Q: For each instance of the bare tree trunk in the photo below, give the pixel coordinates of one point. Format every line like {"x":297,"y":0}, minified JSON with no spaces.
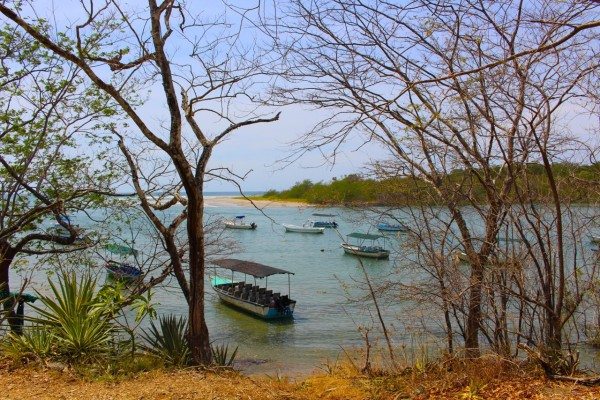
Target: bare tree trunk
{"x":474,"y":315}
{"x":198,"y":332}
{"x":6,"y":258}
{"x":7,"y":255}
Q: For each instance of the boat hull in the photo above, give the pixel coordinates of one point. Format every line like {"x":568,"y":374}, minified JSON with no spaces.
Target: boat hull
{"x":325,"y":224}
{"x":231,"y":225}
{"x":257,"y":310}
{"x":122,"y":272}
{"x":392,"y":228}
{"x":302,"y":229}
{"x":359,"y":251}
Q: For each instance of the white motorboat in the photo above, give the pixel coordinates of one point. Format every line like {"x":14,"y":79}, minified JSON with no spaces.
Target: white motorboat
{"x":307,"y":227}
{"x":239,"y":223}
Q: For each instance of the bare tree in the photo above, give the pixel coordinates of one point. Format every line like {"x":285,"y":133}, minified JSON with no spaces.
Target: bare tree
{"x":462,"y":95}
{"x":206,"y":73}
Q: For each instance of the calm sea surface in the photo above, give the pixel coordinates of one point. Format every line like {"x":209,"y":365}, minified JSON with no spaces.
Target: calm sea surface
{"x":326,"y":284}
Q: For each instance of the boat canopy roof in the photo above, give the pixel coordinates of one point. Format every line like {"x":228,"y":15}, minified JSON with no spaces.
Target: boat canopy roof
{"x":249,"y":267}
{"x":358,"y":235}
{"x":121,"y":250}
{"x":240,"y":216}
{"x":324,"y":215}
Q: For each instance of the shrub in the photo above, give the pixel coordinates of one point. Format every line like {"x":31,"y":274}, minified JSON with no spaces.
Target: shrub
{"x":80,"y":330}
{"x":167,"y":341}
{"x":220,"y":355}
{"x":34,"y":344}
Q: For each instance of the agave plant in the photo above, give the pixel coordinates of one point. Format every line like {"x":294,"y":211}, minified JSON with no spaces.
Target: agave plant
{"x":34,"y":343}
{"x":167,"y":341}
{"x":221,"y":357}
{"x":82,"y":331}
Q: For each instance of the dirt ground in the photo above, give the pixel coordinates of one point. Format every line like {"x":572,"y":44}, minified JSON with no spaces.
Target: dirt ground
{"x":42,"y":383}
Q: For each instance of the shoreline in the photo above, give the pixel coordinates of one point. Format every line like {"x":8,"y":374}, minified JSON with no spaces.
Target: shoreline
{"x":225,"y":201}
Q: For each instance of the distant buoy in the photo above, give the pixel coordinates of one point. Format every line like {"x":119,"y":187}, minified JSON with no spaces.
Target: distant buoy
{"x":322,"y":249}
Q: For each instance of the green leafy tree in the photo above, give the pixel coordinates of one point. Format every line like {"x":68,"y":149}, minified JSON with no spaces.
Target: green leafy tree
{"x":48,"y":117}
{"x":208,"y":82}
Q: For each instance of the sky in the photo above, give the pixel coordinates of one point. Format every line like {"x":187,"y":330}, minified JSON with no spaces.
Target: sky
{"x":257,"y":149}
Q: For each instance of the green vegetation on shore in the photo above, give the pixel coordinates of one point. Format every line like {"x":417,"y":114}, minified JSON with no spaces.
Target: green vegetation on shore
{"x":575,"y":182}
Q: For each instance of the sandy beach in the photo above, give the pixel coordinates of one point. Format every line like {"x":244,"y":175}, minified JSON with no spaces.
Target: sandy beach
{"x":225,"y":201}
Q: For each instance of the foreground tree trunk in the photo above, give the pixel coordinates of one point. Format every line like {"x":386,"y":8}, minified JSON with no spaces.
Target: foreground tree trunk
{"x":198,"y":336}
{"x":216,"y":73}
{"x":7,"y":255}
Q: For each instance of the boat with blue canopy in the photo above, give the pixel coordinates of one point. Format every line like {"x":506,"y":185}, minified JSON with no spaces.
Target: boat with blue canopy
{"x":373,"y":248}
{"x":249,"y":297}
{"x":239,"y":223}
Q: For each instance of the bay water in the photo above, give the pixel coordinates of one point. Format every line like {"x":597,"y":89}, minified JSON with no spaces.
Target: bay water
{"x":333,"y":310}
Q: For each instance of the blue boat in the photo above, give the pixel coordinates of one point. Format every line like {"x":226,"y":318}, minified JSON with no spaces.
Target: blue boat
{"x":325,"y":224}
{"x":122,"y":271}
{"x":386,"y":227}
{"x":251,"y":298}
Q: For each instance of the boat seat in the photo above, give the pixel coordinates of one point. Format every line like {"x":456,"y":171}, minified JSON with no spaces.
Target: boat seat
{"x":262,"y":290}
{"x":248,"y":286}
{"x":276,"y":295}
{"x":269,"y":293}
{"x":245,"y":296}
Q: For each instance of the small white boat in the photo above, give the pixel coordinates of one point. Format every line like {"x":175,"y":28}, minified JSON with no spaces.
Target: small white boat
{"x":361,"y":250}
{"x":256,"y":300}
{"x":239,"y":223}
{"x":307,"y":227}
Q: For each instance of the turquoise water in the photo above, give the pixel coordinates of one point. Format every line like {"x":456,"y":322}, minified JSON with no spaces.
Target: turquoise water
{"x":328,"y":285}
{"x":325,"y":321}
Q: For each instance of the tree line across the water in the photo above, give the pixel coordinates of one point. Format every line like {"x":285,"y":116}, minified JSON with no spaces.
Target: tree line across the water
{"x":355,"y":189}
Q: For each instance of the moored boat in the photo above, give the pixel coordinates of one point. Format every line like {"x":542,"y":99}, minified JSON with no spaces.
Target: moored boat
{"x":330,"y":223}
{"x":251,"y":298}
{"x":122,"y":271}
{"x":307,"y":227}
{"x":239,"y":223}
{"x":359,"y":249}
{"x":386,"y":227}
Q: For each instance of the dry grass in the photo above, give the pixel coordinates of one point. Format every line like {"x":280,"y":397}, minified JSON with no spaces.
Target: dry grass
{"x":487,"y":378}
